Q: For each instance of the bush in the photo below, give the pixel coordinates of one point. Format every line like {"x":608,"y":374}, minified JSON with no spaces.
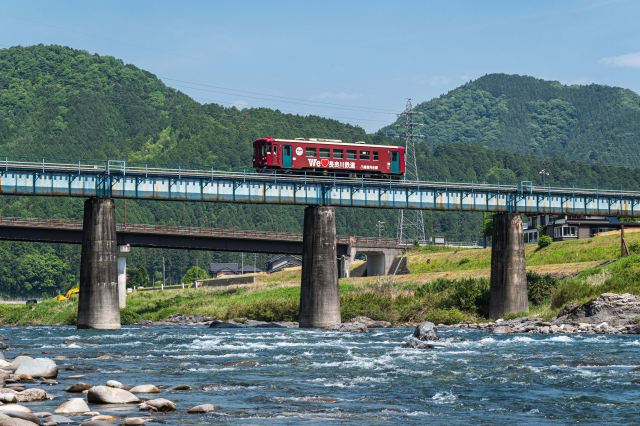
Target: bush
{"x":539,"y":287}
{"x":463,"y":261}
{"x":514,"y":315}
{"x":128,"y":316}
{"x":544,"y":241}
{"x":273,"y":309}
{"x":445,"y":316}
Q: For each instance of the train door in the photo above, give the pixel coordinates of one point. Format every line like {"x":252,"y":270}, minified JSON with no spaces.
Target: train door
{"x":286,"y":156}
{"x":395,"y":162}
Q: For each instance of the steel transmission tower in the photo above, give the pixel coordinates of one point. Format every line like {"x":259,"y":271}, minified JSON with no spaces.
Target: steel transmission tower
{"x":411,"y":222}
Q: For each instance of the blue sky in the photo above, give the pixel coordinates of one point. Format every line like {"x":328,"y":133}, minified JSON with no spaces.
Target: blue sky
{"x":356,"y":61}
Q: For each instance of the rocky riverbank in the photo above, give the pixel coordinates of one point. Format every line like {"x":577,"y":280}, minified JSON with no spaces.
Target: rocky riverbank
{"x":610,"y":313}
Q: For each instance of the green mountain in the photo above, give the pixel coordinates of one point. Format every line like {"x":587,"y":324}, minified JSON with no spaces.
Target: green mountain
{"x":594,"y":123}
{"x":66,"y":103}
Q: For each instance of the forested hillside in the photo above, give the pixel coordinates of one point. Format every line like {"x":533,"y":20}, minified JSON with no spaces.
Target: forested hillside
{"x":60,"y":102}
{"x":593,"y":123}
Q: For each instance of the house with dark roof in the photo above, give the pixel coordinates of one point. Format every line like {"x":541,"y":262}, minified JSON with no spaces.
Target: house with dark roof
{"x":282,"y":261}
{"x":249,"y":269}
{"x":217,"y":270}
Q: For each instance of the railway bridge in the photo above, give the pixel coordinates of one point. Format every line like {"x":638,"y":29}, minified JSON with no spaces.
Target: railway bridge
{"x":99,"y":182}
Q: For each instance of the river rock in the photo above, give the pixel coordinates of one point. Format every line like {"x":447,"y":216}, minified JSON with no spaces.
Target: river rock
{"x":5,"y":364}
{"x":39,"y":368}
{"x":104,"y":418}
{"x":144,"y":389}
{"x":426,"y":331}
{"x":618,"y":309}
{"x":61,"y":420}
{"x":17,"y":362}
{"x":78,"y":387}
{"x":222,"y":324}
{"x":3,"y":346}
{"x":133,"y":421}
{"x":30,"y":417}
{"x":115,"y":384}
{"x":8,"y":398}
{"x":369,"y":323}
{"x":270,"y":325}
{"x":182,"y":387}
{"x":417,"y":344}
{"x":20,"y":422}
{"x":159,"y":404}
{"x":13,"y":407}
{"x":199,"y":409}
{"x":349,"y":327}
{"x":3,"y":337}
{"x":96,"y":423}
{"x":242,"y":363}
{"x":31,"y":395}
{"x":72,"y":406}
{"x":109,"y":395}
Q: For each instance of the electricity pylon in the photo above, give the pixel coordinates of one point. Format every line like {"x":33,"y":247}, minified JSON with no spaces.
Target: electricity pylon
{"x":411,"y":222}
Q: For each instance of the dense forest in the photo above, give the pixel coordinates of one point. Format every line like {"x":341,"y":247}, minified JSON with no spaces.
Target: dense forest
{"x":65,"y":103}
{"x":594,"y":123}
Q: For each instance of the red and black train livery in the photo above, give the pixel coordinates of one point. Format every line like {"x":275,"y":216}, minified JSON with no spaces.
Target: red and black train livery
{"x":324,"y":156}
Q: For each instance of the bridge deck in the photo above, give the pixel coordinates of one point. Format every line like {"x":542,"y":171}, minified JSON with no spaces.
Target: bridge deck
{"x":117,"y":180}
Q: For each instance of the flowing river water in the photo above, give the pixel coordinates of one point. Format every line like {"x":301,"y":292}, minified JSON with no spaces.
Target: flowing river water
{"x":320,"y":376}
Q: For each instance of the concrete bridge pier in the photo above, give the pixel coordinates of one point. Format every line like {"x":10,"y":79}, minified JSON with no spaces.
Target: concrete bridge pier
{"x":508,"y":273}
{"x":319,"y":296}
{"x":98,"y":306}
{"x":123,"y":252}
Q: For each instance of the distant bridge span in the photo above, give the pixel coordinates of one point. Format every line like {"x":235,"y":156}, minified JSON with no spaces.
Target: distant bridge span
{"x":116,"y":179}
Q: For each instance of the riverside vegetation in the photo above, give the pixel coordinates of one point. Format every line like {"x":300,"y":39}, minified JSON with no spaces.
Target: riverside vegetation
{"x":445,"y":286}
{"x":65,"y":103}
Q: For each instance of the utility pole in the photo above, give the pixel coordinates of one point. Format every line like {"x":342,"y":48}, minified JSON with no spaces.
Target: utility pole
{"x":544,"y":174}
{"x":242,"y":267}
{"x":163,"y":273}
{"x":380,"y":226}
{"x":411,"y":223}
{"x":254,"y":263}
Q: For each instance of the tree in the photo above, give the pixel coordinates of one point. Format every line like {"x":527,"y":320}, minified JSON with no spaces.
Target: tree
{"x":194,"y":274}
{"x":140,"y":278}
{"x":544,"y":241}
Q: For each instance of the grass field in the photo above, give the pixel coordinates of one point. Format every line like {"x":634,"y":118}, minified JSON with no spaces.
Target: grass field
{"x":445,"y":286}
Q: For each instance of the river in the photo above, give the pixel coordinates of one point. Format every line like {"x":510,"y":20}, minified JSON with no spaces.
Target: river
{"x":317,"y":376}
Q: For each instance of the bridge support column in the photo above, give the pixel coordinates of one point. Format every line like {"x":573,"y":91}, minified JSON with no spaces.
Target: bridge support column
{"x":508,"y":273}
{"x":123,"y":252}
{"x":98,"y":306}
{"x":319,"y":296}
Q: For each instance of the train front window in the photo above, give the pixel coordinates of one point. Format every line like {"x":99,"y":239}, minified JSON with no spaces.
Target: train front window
{"x":264,"y":149}
{"x":338,"y":153}
{"x":325,"y":153}
{"x":364,"y":155}
{"x":351,"y":154}
{"x":268,"y":148}
{"x":375,"y":155}
{"x":311,"y":152}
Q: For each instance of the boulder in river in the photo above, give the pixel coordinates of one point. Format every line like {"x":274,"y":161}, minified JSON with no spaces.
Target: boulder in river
{"x":159,"y":404}
{"x":109,"y":395}
{"x":78,"y":387}
{"x":39,"y":368}
{"x":60,"y":420}
{"x":8,"y":398}
{"x":349,"y":327}
{"x":19,"y":418}
{"x":31,"y":395}
{"x":5,"y":364}
{"x":14,"y":407}
{"x":144,"y":389}
{"x":204,"y":408}
{"x":133,"y":421}
{"x":17,"y":361}
{"x":3,"y":346}
{"x":182,"y":387}
{"x":369,"y":323}
{"x":417,"y":344}
{"x":73,"y":406}
{"x":222,"y":324}
{"x":426,"y":331}
{"x":115,"y":384}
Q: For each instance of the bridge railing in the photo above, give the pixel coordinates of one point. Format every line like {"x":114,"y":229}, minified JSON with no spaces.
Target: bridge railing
{"x":197,"y":231}
{"x":117,"y":167}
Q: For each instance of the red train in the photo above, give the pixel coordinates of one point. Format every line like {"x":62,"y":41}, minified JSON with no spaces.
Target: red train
{"x":324,"y":156}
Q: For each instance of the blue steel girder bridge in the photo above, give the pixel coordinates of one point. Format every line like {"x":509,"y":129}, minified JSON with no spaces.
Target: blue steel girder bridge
{"x":116,"y":179}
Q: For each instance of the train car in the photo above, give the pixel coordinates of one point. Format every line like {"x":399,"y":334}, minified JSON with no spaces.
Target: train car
{"x":328,"y":156}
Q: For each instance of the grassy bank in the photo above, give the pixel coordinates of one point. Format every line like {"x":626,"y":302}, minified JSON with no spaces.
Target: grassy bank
{"x":445,"y":286}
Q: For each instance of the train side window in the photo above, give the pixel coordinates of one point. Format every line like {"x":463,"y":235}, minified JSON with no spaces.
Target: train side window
{"x":338,"y":153}
{"x":325,"y":153}
{"x":364,"y":155}
{"x":275,"y":149}
{"x":375,"y":155}
{"x":351,"y":154}
{"x":287,"y":150}
{"x":311,"y":152}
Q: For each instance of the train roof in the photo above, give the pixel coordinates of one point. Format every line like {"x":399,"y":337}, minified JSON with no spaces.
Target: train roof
{"x":328,"y":142}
